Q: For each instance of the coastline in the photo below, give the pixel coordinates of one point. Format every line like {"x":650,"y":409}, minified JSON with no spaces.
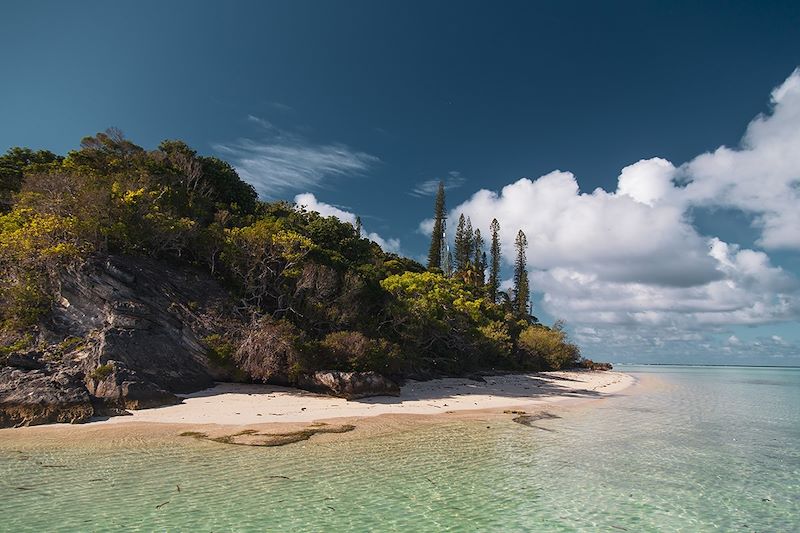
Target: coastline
{"x":230,"y":408}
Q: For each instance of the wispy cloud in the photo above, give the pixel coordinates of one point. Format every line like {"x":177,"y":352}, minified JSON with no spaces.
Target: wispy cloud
{"x":283,"y":162}
{"x":264,"y":123}
{"x":453,"y":180}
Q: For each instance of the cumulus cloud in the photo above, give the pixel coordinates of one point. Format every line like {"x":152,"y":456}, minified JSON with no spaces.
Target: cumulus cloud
{"x":628,"y":266}
{"x":612,"y":236}
{"x":453,"y":180}
{"x":647,"y":181}
{"x":281,"y":161}
{"x":310,"y":202}
{"x":762,"y":176}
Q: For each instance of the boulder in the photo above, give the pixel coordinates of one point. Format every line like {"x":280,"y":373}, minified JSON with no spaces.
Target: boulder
{"x":41,"y":396}
{"x":117,"y":388}
{"x":349,"y":385}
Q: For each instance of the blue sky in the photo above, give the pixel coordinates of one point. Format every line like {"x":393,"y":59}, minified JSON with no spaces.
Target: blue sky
{"x":359,"y":106}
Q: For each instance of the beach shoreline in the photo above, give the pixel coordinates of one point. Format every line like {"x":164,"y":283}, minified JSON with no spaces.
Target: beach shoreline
{"x":232,"y":407}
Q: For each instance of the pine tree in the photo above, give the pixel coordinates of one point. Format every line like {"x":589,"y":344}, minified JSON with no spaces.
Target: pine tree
{"x":480,"y":260}
{"x":521,"y":288}
{"x":437,"y":236}
{"x":460,"y":243}
{"x":469,"y":244}
{"x":494,"y":267}
{"x":359,"y":227}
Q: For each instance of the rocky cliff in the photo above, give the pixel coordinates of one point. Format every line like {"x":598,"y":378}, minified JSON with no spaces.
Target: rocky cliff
{"x":123,"y":333}
{"x":127,"y":333}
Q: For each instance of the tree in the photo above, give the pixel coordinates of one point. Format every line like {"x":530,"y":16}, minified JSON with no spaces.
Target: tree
{"x":359,"y":227}
{"x":494,"y":267}
{"x":460,"y":245}
{"x":14,"y":164}
{"x":521,"y":288}
{"x":480,"y":259}
{"x":437,"y":236}
{"x":469,"y":243}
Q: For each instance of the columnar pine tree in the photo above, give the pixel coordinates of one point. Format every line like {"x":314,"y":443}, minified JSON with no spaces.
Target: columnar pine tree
{"x":359,"y":227}
{"x":437,"y":236}
{"x":494,"y":267}
{"x":480,"y":260}
{"x":469,"y":244}
{"x":521,"y":288}
{"x":460,"y":244}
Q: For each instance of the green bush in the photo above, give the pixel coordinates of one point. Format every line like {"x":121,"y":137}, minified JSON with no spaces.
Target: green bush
{"x":101,"y":372}
{"x":352,"y":350}
{"x":547,"y":348}
{"x":220,"y":349}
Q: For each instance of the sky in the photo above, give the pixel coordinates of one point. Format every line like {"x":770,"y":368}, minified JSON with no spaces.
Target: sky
{"x":649,"y":150}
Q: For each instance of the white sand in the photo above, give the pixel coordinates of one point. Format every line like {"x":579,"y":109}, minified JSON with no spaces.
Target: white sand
{"x":239,"y":404}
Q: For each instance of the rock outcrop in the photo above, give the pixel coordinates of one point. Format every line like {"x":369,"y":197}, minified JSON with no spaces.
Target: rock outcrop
{"x":42,"y":396}
{"x":115,"y":388}
{"x":124,"y":333}
{"x":349,"y":385}
{"x":127,"y":333}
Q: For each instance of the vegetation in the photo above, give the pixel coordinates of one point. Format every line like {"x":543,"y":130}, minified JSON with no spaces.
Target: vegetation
{"x":437,"y":235}
{"x":494,"y":267}
{"x":102,"y":372}
{"x":311,"y":292}
{"x":521,"y":287}
{"x":548,"y":347}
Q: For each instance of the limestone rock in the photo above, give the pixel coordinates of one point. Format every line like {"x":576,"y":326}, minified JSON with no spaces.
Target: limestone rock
{"x":117,"y":388}
{"x":349,"y":385}
{"x":32,"y":397}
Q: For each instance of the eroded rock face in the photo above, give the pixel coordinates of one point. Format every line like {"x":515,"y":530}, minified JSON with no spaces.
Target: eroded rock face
{"x":134,"y":327}
{"x":42,"y":396}
{"x":116,"y":387}
{"x":143,"y":314}
{"x":349,"y":385}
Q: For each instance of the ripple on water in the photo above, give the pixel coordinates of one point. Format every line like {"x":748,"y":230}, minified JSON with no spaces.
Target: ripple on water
{"x":711,"y":452}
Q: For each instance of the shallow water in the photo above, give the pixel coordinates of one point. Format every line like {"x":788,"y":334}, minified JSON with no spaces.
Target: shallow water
{"x":698,"y":449}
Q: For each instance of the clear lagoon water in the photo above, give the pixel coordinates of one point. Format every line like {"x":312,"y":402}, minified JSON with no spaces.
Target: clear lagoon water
{"x":697,"y":449}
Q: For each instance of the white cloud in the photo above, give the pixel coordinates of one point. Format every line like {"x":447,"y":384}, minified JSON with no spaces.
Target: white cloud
{"x":648,"y":181}
{"x":453,"y":180}
{"x":612,"y":236}
{"x":762,"y":177}
{"x":264,"y":123}
{"x":426,"y":227}
{"x":283,"y":162}
{"x":629,"y":267}
{"x":310,"y":202}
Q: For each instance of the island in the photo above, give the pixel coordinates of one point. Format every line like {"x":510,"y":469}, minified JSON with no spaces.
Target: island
{"x":133,"y":279}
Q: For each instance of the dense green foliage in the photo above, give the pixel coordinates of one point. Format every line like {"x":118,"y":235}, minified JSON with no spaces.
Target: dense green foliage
{"x":311,"y":292}
{"x":521,"y":290}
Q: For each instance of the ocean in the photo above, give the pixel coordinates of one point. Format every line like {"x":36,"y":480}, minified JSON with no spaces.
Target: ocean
{"x":687,"y":449}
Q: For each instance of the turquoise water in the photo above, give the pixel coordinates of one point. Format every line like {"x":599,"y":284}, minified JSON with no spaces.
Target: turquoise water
{"x":698,"y":449}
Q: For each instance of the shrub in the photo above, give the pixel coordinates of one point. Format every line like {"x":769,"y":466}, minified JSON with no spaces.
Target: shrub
{"x":270,"y":351}
{"x":549,"y":348}
{"x":102,"y":372}
{"x":220,"y":349}
{"x":352,"y":350}
{"x":495,"y":343}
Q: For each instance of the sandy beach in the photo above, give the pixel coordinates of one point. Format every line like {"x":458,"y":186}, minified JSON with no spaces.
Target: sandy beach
{"x":231,"y":404}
